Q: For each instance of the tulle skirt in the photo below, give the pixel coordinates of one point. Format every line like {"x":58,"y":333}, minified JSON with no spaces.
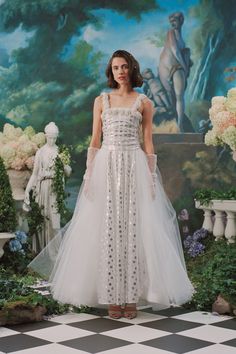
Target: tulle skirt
{"x":122,"y":244}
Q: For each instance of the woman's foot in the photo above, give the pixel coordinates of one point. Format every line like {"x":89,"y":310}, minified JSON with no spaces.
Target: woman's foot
{"x":115,"y":311}
{"x":130,"y":311}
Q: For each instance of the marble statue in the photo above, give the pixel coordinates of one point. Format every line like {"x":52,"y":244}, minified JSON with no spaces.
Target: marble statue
{"x":174,"y":66}
{"x":41,"y":184}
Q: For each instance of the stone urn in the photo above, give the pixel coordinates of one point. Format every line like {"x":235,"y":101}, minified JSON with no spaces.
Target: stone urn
{"x":4,"y":237}
{"x":18,"y":181}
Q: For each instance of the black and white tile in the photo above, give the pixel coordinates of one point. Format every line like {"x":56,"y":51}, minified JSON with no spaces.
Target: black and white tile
{"x":168,"y":331}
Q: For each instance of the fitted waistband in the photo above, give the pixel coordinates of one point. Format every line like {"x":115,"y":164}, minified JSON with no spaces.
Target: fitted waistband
{"x":120,"y":147}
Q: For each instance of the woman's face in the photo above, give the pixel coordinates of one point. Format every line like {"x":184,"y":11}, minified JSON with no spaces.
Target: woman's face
{"x":120,"y":70}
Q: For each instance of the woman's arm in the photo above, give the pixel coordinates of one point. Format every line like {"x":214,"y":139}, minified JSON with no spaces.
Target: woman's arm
{"x":147,"y":126}
{"x":97,"y":123}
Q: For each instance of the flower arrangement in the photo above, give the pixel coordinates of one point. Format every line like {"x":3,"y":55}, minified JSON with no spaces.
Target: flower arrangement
{"x":223,"y":118}
{"x":18,"y":146}
{"x":192,"y":242}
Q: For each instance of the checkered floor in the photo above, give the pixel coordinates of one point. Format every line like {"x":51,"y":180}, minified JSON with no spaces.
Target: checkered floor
{"x":173,"y":330}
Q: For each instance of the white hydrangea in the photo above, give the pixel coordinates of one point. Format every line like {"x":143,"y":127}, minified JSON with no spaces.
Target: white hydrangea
{"x":3,"y":139}
{"x":218,"y":100}
{"x":29,"y":131}
{"x":8,"y":154}
{"x":212,"y":138}
{"x":230,"y":103}
{"x":26,"y":150}
{"x":229,"y":137}
{"x":18,"y":147}
{"x":23,"y":139}
{"x":39,"y":139}
{"x":9,"y":132}
{"x":18,"y":164}
{"x":232,"y":93}
{"x":214,"y":110}
{"x":18,"y":132}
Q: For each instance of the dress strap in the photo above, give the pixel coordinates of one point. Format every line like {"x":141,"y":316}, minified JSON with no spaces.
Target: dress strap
{"x":138,"y":101}
{"x":105,"y":100}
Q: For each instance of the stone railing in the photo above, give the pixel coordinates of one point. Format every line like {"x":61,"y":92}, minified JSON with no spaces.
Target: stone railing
{"x":224,"y":223}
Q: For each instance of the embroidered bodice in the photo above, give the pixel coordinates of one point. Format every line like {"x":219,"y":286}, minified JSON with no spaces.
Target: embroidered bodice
{"x":120,"y":125}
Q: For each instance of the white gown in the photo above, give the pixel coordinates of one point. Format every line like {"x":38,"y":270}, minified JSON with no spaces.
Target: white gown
{"x":121,"y":246}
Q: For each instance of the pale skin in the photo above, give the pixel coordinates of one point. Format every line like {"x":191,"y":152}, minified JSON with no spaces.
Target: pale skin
{"x":123,"y":96}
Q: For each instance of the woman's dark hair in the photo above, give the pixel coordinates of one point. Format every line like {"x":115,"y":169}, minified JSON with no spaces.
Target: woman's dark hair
{"x":136,"y":79}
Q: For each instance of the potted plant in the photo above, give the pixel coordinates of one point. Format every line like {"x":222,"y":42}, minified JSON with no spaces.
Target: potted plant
{"x":17,"y":149}
{"x":223,"y":119}
{"x":8,"y":219}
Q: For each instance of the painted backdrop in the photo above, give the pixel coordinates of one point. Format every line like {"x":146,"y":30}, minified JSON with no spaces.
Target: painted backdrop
{"x":53,"y":54}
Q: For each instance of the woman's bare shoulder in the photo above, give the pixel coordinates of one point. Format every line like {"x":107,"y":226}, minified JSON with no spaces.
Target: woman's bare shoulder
{"x":146,"y":101}
{"x":98,"y":100}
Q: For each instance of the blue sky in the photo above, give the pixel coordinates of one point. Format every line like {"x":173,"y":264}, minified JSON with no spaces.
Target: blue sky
{"x":118,"y":32}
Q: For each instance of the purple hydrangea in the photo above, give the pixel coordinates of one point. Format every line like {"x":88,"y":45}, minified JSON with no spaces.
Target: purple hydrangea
{"x":200,"y":234}
{"x":15,"y":245}
{"x":196,"y":248}
{"x":192,"y":242}
{"x":188,"y":241}
{"x":21,"y":237}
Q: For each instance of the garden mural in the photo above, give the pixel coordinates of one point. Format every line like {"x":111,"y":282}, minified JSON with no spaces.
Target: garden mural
{"x":53,"y":55}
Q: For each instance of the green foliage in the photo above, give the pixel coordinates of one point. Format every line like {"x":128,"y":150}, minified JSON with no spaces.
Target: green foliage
{"x":213,"y":273}
{"x":58,"y":185}
{"x":17,"y":262}
{"x":35,"y":217}
{"x":204,"y":196}
{"x":14,"y":290}
{"x":15,"y":287}
{"x":7,"y":206}
{"x":59,"y":179}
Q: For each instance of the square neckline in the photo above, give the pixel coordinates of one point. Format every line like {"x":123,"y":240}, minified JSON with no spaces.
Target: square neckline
{"x":122,"y":107}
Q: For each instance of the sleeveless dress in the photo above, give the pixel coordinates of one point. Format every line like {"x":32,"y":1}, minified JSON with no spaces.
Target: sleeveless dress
{"x":122,"y":244}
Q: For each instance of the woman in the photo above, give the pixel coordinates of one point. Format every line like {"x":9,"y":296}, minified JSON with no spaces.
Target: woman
{"x":122,"y":245}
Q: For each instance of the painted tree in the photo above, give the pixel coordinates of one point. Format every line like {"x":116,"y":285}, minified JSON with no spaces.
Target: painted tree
{"x":45,"y":82}
{"x":214,"y":51}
